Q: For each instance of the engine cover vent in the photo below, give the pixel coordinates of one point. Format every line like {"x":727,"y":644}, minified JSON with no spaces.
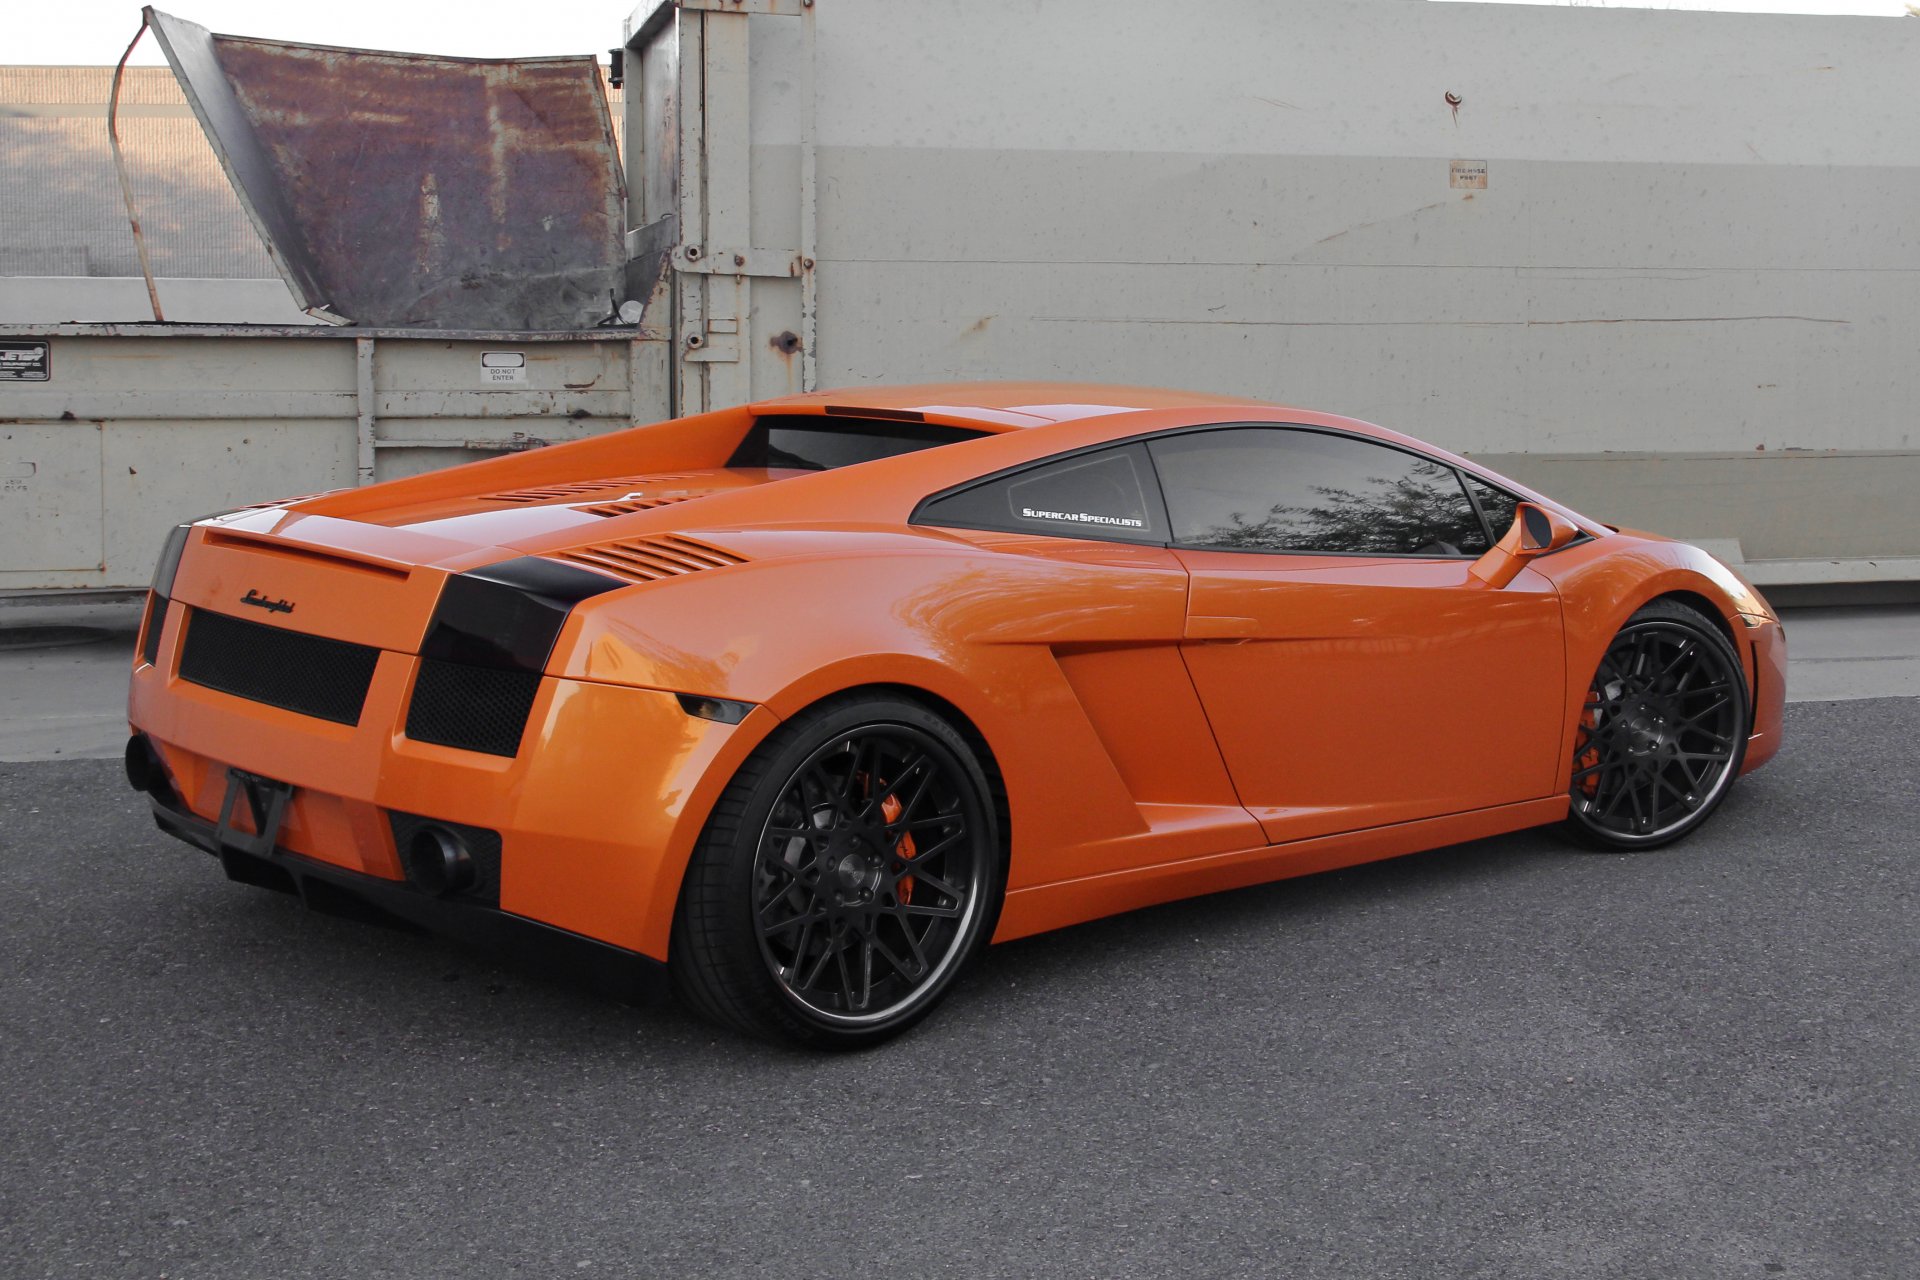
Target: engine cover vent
{"x":650,"y":559}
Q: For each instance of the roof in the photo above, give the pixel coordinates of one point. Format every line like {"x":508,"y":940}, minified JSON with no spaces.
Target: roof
{"x":1007,"y":404}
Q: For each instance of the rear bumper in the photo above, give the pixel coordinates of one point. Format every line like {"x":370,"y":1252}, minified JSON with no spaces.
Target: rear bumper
{"x":615,"y":971}
{"x":597,"y":813}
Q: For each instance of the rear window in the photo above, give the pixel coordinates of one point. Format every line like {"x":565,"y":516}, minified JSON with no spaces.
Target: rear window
{"x":821,"y":442}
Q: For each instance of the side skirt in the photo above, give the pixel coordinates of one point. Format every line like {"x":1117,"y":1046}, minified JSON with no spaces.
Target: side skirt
{"x":1068,"y":902}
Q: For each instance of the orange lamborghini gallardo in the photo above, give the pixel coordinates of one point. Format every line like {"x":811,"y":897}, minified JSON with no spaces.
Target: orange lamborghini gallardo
{"x":793,"y":707}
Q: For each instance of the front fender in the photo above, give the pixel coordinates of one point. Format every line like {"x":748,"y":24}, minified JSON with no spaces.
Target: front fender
{"x":1604,"y":582}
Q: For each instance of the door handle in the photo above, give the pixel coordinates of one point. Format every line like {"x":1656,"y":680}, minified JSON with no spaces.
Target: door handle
{"x":1202,"y":627}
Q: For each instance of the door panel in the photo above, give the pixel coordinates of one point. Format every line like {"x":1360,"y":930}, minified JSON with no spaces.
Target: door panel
{"x":1109,"y":633}
{"x":1350,"y":692}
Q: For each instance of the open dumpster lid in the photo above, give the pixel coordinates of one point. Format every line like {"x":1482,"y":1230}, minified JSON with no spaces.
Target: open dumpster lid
{"x":409,"y":190}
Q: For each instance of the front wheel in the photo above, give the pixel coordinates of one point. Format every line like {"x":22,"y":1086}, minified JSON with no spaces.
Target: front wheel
{"x":844,"y":880}
{"x":1662,"y":734}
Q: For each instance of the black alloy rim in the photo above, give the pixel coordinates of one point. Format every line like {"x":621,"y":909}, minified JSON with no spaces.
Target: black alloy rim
{"x":1659,"y":734}
{"x":869,"y":874}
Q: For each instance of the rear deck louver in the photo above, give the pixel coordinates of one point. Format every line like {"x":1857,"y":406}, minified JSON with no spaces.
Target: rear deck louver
{"x":650,"y":559}
{"x":574,"y":489}
{"x":627,"y":506}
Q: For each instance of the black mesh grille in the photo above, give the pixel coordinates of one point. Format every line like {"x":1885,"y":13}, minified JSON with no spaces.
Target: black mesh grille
{"x":483,"y":846}
{"x":474,"y":708}
{"x":317,"y":677}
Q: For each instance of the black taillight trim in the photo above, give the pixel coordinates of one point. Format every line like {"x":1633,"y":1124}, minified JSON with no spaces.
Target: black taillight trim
{"x":150,"y":629}
{"x":168,"y":565}
{"x":486,"y":646}
{"x":508,"y":615}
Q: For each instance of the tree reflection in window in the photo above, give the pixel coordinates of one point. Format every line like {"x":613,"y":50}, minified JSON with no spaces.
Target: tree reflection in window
{"x":1497,"y":505}
{"x":1267,"y":489}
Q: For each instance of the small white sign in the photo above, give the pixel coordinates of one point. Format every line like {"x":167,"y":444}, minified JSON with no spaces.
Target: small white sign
{"x":1467,"y":175}
{"x":497,"y":367}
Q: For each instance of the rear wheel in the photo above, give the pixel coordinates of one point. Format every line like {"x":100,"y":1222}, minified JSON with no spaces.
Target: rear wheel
{"x":844,"y":879}
{"x":1662,"y":734}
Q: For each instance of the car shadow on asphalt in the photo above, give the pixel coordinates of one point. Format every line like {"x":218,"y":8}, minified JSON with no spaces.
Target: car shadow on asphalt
{"x":348,"y":970}
{"x":1269,"y":909}
{"x":328,"y":969}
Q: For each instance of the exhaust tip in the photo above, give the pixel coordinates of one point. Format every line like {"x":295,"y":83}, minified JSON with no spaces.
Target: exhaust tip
{"x":437,"y":861}
{"x":145,"y":773}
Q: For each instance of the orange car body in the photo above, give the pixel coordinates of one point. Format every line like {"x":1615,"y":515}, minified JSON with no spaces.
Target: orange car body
{"x":1165,"y":722}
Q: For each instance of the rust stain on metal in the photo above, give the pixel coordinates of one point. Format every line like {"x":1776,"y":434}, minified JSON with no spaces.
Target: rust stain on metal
{"x":786,"y":345}
{"x":425,"y":191}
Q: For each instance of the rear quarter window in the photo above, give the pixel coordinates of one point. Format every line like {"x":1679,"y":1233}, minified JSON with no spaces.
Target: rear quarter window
{"x":1109,"y":495}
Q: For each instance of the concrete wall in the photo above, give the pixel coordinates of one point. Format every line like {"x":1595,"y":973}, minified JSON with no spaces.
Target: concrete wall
{"x":1696,"y":239}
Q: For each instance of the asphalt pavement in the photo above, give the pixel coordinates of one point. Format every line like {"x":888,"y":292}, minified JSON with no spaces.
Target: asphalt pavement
{"x":1501,"y":1059}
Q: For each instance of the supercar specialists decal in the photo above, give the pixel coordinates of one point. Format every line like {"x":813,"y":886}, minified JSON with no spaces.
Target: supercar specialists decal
{"x":1083,"y":517}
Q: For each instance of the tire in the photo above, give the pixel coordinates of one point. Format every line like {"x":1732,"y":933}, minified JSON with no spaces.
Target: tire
{"x":1663,"y":732}
{"x":848,"y":874}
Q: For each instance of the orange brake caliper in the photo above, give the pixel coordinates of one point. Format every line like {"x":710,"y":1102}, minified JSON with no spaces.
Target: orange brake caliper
{"x":1590,"y":721}
{"x":891,"y":809}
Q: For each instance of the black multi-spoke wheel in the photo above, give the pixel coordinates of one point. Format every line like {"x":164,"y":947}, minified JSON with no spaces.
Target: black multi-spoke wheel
{"x":846,"y":876}
{"x":1662,"y":733}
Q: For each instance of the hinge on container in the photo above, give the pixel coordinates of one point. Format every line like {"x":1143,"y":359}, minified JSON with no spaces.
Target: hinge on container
{"x":783,"y":264}
{"x":717,"y":341}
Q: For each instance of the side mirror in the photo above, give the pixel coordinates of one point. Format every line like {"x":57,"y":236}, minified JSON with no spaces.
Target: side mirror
{"x":1535,"y":532}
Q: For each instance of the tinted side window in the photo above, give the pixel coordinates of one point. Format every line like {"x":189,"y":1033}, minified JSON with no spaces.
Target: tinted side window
{"x":1281,"y":489}
{"x":1496,"y":504}
{"x":1108,"y":495}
